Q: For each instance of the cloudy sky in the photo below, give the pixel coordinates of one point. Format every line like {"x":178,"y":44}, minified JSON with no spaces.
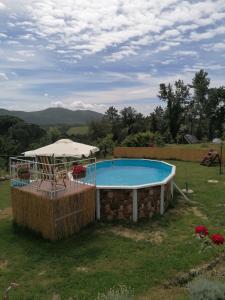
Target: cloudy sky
{"x":89,"y":54}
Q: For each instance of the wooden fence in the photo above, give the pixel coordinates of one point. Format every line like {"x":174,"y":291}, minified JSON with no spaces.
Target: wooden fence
{"x":163,"y":153}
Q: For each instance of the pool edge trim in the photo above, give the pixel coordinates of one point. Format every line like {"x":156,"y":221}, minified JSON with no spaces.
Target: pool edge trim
{"x":135,"y":187}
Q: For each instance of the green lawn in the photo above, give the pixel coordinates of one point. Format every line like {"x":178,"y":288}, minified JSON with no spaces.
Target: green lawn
{"x":195,"y":146}
{"x":77,"y":130}
{"x":4,"y":194}
{"x":96,"y":259}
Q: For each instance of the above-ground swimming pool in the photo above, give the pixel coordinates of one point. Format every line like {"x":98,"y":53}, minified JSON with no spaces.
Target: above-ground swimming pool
{"x":131,"y":173}
{"x":132,"y":189}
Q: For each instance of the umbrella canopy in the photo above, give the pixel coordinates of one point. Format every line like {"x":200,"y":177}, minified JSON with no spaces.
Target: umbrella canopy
{"x":64,"y":147}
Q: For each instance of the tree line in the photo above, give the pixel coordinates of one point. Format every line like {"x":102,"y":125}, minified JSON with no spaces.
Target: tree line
{"x":187,"y":108}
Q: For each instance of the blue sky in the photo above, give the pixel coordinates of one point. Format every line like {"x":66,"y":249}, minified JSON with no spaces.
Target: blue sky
{"x":85,"y":54}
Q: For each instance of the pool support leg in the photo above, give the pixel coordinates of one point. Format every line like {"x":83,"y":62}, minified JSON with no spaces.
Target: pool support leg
{"x":135,"y":206}
{"x":98,"y":207}
{"x":162,"y":200}
{"x":171,"y":187}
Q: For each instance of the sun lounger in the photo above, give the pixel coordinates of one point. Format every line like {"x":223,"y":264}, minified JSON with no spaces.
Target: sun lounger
{"x":211,"y":158}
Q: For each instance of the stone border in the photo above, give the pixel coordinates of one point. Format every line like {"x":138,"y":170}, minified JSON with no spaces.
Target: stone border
{"x":183,"y":279}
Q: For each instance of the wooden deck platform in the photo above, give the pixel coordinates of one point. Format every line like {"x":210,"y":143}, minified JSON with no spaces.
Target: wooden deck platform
{"x":54,"y":218}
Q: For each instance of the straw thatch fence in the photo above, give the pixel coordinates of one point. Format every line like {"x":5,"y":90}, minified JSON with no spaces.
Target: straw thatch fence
{"x":163,"y":153}
{"x":57,"y":218}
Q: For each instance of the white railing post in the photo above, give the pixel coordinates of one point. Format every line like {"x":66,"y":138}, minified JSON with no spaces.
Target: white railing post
{"x":95,"y":173}
{"x":135,"y":206}
{"x":162,"y":199}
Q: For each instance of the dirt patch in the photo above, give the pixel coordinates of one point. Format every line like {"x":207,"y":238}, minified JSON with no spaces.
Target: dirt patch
{"x":218,"y":272}
{"x":5,"y":213}
{"x":4,"y":264}
{"x":160,"y":293}
{"x":42,"y":273}
{"x":198,"y":213}
{"x":155,"y":237}
{"x":82,"y":269}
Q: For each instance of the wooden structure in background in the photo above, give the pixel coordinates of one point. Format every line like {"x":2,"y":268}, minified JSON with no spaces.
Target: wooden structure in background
{"x":56,"y":218}
{"x":163,"y":153}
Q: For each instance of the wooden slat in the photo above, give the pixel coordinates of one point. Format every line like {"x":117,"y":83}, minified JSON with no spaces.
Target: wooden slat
{"x":57,"y":218}
{"x":164,"y":153}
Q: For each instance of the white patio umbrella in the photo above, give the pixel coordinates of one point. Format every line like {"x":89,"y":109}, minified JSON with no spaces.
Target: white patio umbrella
{"x":62,"y":148}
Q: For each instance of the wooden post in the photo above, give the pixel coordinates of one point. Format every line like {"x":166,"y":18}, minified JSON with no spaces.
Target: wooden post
{"x":135,"y":206}
{"x":171,"y":187}
{"x":162,"y":200}
{"x":98,"y":205}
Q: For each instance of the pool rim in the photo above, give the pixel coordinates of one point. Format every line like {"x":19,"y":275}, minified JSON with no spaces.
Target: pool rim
{"x":135,"y":187}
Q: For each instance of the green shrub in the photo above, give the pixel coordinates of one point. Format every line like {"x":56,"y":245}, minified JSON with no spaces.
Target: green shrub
{"x":159,"y":140}
{"x":3,"y":163}
{"x":117,"y":293}
{"x":205,"y":289}
{"x":143,"y":139}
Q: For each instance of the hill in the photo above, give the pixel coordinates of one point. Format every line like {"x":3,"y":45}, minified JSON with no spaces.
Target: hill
{"x":54,"y":115}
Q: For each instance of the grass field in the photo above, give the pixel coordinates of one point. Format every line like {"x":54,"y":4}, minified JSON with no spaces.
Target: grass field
{"x":140,"y":256}
{"x":196,"y":146}
{"x":77,"y":130}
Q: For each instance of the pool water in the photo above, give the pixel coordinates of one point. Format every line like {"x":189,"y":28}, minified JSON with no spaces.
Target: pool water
{"x":131,"y":172}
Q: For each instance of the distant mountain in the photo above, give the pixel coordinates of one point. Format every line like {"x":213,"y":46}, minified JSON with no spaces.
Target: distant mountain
{"x":54,"y":115}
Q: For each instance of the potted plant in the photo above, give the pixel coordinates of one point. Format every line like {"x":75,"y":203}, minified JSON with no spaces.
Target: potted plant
{"x":79,"y":171}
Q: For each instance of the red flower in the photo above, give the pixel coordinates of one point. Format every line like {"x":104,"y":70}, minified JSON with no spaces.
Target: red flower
{"x":217,"y":239}
{"x":79,"y":169}
{"x":202,"y":231}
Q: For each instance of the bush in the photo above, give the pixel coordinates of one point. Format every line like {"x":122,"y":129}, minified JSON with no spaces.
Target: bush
{"x":159,"y":140}
{"x":143,"y":139}
{"x":3,"y":163}
{"x":117,"y":293}
{"x":205,"y":289}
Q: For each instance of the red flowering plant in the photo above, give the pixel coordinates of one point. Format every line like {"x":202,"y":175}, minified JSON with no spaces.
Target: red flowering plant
{"x":79,"y":171}
{"x":217,"y":239}
{"x":202,"y":233}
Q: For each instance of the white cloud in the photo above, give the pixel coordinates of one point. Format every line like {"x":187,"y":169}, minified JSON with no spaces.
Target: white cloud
{"x":28,"y":37}
{"x":3,"y":35}
{"x":124,"y":52}
{"x":97,"y":53}
{"x":26,"y":53}
{"x":91,"y":27}
{"x":185,"y":53}
{"x":3,"y":77}
{"x":2,"y":6}
{"x":77,"y":105}
{"x":217,"y":47}
{"x":210,"y":33}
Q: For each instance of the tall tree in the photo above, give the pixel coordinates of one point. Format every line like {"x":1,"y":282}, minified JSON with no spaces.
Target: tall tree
{"x":112,"y":114}
{"x":156,"y":120}
{"x":200,"y":85}
{"x":128,"y":115}
{"x":176,"y":98}
{"x":216,"y":112}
